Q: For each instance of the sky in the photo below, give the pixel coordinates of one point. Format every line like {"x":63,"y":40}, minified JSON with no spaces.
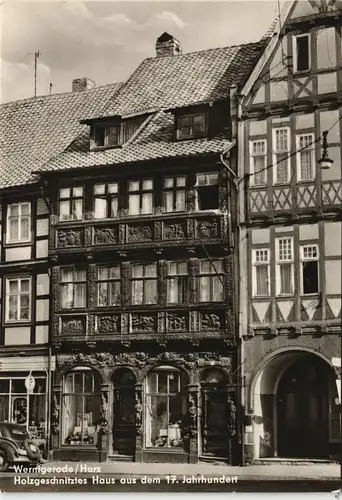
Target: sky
{"x":106,"y":40}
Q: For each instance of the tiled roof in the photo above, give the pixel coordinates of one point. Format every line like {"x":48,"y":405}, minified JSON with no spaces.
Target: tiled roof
{"x":180,"y":80}
{"x":32,"y":131}
{"x":153,"y":142}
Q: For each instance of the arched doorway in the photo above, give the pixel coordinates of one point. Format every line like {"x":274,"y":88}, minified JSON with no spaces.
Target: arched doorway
{"x":295,"y":407}
{"x":303,"y":409}
{"x":214,"y":415}
{"x":123,"y":412}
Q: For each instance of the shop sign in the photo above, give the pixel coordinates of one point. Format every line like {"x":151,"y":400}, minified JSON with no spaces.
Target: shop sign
{"x":30,"y":383}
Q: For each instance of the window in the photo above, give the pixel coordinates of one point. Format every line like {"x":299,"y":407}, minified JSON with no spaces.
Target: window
{"x":211,"y":281}
{"x":261,"y":273}
{"x":105,"y":136}
{"x":281,"y":153}
{"x":81,"y":407}
{"x":174,"y":194}
{"x":18,"y":222}
{"x":309,"y":269}
{"x":258,"y":153}
{"x":73,"y":288}
{"x":305,"y":157}
{"x":106,"y":200}
{"x":140,"y":197}
{"x":207,"y":191}
{"x":109,"y":286}
{"x":191,"y":126}
{"x":19,"y":407}
{"x":302,"y":53}
{"x":18,"y":299}
{"x":166,"y":408}
{"x":144,"y":284}
{"x":71,"y":203}
{"x":284,"y":268}
{"x":177,"y":282}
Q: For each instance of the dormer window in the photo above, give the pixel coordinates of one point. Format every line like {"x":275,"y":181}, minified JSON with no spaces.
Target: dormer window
{"x":105,"y":136}
{"x":191,"y":126}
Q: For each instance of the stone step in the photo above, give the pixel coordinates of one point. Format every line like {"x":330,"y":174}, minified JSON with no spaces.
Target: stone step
{"x":120,"y":458}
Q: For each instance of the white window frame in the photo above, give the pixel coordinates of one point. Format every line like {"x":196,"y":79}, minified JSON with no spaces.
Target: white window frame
{"x":284,"y":261}
{"x":253,"y":155}
{"x":19,"y":217}
{"x":295,"y":37}
{"x":198,"y":185}
{"x":275,"y":154}
{"x":304,"y":259}
{"x":311,"y":148}
{"x":256,"y":264}
{"x":18,"y":294}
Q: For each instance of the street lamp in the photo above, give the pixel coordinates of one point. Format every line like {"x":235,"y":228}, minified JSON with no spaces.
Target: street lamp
{"x":325,"y":163}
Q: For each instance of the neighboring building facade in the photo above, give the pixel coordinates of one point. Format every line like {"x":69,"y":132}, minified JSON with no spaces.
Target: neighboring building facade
{"x":290,"y":240}
{"x":31,"y":132}
{"x":142,"y":254}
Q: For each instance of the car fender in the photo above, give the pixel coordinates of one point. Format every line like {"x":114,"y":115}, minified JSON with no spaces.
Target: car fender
{"x":9,"y":447}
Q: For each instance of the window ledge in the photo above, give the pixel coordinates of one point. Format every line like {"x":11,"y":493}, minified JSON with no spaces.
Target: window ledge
{"x":19,"y":243}
{"x":104,"y":148}
{"x":17,"y":322}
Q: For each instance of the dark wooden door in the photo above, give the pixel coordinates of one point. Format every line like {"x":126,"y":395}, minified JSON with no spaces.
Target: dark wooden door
{"x":124,"y":421}
{"x":303,"y":410}
{"x":214,"y":422}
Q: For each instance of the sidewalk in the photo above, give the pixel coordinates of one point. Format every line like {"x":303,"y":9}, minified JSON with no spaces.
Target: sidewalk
{"x":250,"y":472}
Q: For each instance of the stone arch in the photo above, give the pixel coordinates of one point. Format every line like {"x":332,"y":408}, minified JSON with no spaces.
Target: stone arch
{"x":64,"y":370}
{"x":144,"y":372}
{"x":123,"y":368}
{"x":265,"y":382}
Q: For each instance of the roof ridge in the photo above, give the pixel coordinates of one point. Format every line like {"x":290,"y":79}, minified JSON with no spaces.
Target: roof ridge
{"x":58,"y":94}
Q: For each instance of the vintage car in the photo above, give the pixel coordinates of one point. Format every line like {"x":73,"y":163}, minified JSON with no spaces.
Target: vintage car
{"x":17,"y":447}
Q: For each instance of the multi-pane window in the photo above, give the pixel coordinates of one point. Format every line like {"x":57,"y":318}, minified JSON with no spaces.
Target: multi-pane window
{"x":302,"y":53}
{"x":144,"y":284}
{"x":211,"y":280}
{"x":177,"y":282}
{"x":106,"y":200}
{"x":140,"y":197}
{"x":261,"y":272}
{"x":309,"y":269}
{"x":191,"y":126}
{"x":73,"y":288}
{"x":18,"y":299}
{"x":284,"y":266}
{"x":258,"y":153}
{"x":305,"y":157}
{"x":18,"y":222}
{"x":281,"y":153}
{"x":109,"y":286}
{"x":174,"y":194}
{"x":105,"y":136}
{"x":207,"y":191}
{"x":71,"y":203}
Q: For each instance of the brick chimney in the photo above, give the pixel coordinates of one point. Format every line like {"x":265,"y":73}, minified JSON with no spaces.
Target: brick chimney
{"x":80,"y":84}
{"x":167,"y":45}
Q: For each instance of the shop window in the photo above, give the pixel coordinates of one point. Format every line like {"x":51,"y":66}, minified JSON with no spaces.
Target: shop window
{"x":211,"y":281}
{"x":166,"y":408}
{"x":29,"y":410}
{"x":81,"y":407}
{"x":207,"y":191}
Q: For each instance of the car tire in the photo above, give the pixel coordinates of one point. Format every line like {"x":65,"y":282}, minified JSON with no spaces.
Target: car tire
{"x":3,"y":461}
{"x":32,"y":454}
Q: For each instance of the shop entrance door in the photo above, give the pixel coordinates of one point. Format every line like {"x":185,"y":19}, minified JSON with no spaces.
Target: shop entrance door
{"x":123,"y":413}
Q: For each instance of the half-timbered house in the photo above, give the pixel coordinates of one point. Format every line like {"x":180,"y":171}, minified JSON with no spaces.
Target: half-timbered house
{"x":141,"y":249}
{"x":290,"y":239}
{"x":32,"y":131}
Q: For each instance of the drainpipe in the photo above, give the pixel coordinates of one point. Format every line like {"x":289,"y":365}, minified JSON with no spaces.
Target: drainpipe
{"x":48,"y":424}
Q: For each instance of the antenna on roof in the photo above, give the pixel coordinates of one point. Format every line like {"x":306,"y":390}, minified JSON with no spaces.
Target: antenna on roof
{"x":36,"y":55}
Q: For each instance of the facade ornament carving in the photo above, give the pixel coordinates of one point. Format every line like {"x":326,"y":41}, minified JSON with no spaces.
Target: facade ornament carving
{"x":140,"y":233}
{"x":193,"y":414}
{"x":190,"y":229}
{"x":68,"y":238}
{"x":73,"y":326}
{"x":191,"y":200}
{"x":92,"y":274}
{"x":193,"y":272}
{"x":125,"y":285}
{"x":174,"y":231}
{"x":143,"y":323}
{"x":177,"y":322}
{"x":210,"y":322}
{"x":55,"y":411}
{"x":158,"y":230}
{"x":108,"y":324}
{"x":100,"y":359}
{"x":105,"y":235}
{"x":231,"y":416}
{"x":104,"y":413}
{"x":207,"y":229}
